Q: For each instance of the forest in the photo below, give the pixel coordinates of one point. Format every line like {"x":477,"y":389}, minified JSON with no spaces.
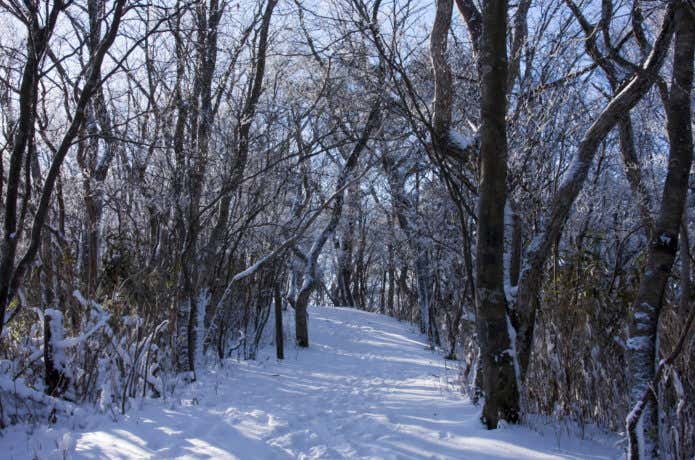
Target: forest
{"x":515,"y":179}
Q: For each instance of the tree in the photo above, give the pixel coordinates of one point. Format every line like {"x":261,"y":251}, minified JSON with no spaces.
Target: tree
{"x":500,"y":384}
{"x":11,"y":275}
{"x":663,"y":245}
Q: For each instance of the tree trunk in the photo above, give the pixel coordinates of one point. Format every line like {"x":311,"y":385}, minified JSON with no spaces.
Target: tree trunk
{"x":642,"y":350}
{"x":499,"y":378}
{"x":515,"y":250}
{"x":279,"y":339}
{"x":391,"y":276}
{"x":301,"y":316}
{"x":686,"y":265}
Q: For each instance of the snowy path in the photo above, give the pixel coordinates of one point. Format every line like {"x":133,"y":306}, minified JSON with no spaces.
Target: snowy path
{"x":366,"y":388}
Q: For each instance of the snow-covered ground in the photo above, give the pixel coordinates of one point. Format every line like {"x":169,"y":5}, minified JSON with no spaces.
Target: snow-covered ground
{"x":367,"y":388}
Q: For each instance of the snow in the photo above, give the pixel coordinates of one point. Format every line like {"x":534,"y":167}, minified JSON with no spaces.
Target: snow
{"x":367,"y":388}
{"x":25,"y":394}
{"x":639,"y":342}
{"x":55,"y":323}
{"x":512,"y":350}
{"x":460,"y":141}
{"x":665,"y":239}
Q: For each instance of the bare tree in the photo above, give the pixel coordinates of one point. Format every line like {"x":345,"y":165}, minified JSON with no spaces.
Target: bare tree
{"x":11,"y":275}
{"x":530,"y":281}
{"x":663,"y":245}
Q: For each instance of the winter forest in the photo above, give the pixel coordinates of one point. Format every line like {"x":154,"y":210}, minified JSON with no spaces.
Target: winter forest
{"x":387,"y":229}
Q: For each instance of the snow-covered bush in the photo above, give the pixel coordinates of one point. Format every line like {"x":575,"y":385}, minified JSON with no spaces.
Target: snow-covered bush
{"x":95,"y":365}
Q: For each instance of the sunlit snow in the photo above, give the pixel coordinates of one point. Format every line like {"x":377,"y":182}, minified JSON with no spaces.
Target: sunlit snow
{"x":367,"y":388}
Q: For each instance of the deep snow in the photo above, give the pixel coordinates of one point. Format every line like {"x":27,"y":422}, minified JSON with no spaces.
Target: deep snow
{"x":366,"y":388}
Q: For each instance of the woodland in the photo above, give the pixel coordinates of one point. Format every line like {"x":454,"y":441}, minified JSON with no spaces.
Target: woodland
{"x":515,"y":178}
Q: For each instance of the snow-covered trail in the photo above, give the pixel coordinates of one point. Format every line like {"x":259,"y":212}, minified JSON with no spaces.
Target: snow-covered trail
{"x":366,"y":388}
